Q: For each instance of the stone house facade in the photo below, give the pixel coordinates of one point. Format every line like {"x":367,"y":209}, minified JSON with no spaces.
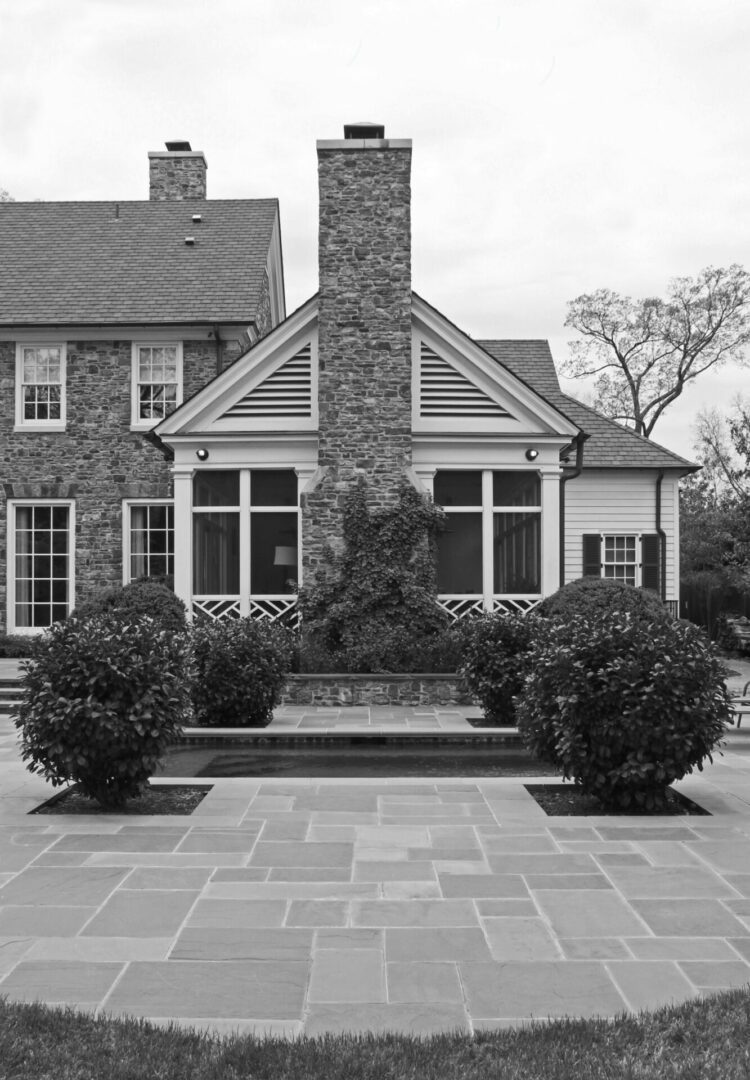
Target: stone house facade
{"x":159,"y":412}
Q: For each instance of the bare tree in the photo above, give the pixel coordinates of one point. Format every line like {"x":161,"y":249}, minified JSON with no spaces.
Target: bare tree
{"x":5,"y":197}
{"x":643,"y":352}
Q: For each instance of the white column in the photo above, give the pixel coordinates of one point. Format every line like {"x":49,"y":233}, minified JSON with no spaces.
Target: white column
{"x":183,"y":538}
{"x":488,"y":541}
{"x":244,"y":542}
{"x":550,"y":529}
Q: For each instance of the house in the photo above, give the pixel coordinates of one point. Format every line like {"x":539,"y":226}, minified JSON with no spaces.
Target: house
{"x":160,"y":412}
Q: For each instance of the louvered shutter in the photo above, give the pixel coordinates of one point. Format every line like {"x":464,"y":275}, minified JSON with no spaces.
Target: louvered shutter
{"x":592,"y":555}
{"x":651,"y":562}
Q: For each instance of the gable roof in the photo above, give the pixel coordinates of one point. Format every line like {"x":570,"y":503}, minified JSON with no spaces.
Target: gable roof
{"x":115,"y":263}
{"x":610,"y":445}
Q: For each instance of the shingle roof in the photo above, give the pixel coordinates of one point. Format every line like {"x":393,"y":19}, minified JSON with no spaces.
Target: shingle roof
{"x":610,"y":445}
{"x":104,"y":262}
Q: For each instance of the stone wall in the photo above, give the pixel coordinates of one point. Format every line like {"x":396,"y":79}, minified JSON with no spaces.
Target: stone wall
{"x":97,"y":460}
{"x":364,"y":349}
{"x":340,"y":690}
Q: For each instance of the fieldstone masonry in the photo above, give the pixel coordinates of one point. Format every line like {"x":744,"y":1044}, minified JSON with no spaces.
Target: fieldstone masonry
{"x":175,"y":174}
{"x":364,"y":349}
{"x":97,"y":461}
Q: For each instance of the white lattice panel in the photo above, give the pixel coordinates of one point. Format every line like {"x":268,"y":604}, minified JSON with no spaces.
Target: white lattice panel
{"x":458,"y":607}
{"x":276,"y":609}
{"x":217,"y":607}
{"x":510,"y":603}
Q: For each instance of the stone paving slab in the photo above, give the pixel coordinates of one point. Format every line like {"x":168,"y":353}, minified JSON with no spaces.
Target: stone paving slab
{"x":296,"y":906}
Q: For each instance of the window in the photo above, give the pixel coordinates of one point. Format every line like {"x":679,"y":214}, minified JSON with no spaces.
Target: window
{"x":492,"y":542}
{"x":149,"y":540}
{"x":157,"y":382}
{"x":40,"y":386}
{"x":40,"y":564}
{"x":633,"y":558}
{"x":245,"y":532}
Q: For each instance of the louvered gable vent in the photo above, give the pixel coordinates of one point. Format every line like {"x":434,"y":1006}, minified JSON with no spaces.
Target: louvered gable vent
{"x":288,"y":392}
{"x":445,"y":392}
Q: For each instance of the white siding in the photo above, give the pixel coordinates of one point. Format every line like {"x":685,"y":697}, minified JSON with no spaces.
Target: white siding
{"x":620,"y":501}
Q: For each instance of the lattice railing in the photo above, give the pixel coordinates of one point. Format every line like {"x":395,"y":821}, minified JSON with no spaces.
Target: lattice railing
{"x":458,"y":607}
{"x":282,"y":609}
{"x":217,"y":607}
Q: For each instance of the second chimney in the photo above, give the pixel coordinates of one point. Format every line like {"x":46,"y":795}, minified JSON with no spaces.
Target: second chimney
{"x":176,"y":173}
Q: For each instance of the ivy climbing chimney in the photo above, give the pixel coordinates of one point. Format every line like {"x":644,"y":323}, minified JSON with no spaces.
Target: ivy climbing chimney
{"x":364,"y":331}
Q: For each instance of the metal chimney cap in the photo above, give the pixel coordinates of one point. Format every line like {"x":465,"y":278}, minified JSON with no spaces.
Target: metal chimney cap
{"x":179,"y":145}
{"x":364,"y":130}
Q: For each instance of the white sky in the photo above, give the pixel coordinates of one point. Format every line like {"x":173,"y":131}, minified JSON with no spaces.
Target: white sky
{"x":559,"y":145}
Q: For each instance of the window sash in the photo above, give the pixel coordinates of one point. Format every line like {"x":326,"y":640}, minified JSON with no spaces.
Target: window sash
{"x":40,"y":378}
{"x":157,"y":381}
{"x":41,"y":570}
{"x":150,"y":540}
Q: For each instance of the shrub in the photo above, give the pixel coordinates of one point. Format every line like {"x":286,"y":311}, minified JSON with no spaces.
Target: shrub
{"x":240,"y":667}
{"x":14,"y":646}
{"x":591,"y":594}
{"x":623,"y":705}
{"x":102,"y":699}
{"x":495,"y":660}
{"x":142,"y":597}
{"x":387,"y":649}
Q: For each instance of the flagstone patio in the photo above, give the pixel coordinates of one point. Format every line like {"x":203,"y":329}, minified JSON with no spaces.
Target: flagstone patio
{"x":299,"y":906}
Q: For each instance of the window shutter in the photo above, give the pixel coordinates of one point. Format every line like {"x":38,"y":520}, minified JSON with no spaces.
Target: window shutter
{"x":651,"y":562}
{"x":592,"y":555}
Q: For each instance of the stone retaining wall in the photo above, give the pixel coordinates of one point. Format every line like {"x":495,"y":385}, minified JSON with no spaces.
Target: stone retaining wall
{"x":337,"y":690}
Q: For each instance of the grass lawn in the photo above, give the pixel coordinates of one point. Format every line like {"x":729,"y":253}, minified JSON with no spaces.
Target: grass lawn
{"x":695,"y":1041}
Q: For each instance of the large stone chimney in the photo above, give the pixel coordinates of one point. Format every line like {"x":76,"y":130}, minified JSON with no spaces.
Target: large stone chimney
{"x":177,"y":173}
{"x":364,"y":345}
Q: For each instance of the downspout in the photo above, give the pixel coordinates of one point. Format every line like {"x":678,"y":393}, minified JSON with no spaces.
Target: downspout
{"x":662,"y":540}
{"x":569,"y":474}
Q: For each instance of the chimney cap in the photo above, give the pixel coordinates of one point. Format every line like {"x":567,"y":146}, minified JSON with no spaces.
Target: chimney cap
{"x":364,"y":130}
{"x":178,"y":145}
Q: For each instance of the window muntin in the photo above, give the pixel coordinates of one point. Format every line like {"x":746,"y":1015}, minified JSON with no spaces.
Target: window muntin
{"x":40,"y":376}
{"x":157,"y":381}
{"x":42,"y":565}
{"x":150,"y":540}
{"x":494,"y":549}
{"x":620,"y":558}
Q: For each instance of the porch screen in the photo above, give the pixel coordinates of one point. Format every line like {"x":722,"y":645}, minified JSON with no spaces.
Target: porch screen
{"x":216,"y":533}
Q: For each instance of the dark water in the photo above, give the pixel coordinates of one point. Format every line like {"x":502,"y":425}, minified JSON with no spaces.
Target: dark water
{"x":388,"y":760}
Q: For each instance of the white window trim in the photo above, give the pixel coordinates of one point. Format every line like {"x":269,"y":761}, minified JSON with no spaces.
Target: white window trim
{"x":127,"y":505}
{"x":31,"y":631}
{"x":637,"y":564}
{"x":40,"y":425}
{"x":136,"y":424}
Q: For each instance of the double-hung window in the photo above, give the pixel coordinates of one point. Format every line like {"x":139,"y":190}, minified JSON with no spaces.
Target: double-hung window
{"x":40,"y":564}
{"x":157,"y":382}
{"x":40,"y":387}
{"x":148,"y":539}
{"x":632,"y":558}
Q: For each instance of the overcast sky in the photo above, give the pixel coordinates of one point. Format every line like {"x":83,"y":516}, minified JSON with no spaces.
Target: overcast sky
{"x":559,"y":145}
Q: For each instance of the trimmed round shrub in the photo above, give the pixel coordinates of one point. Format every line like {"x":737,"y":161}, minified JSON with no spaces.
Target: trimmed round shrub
{"x":143,"y":597}
{"x":101,"y":701}
{"x":384,"y":649}
{"x":240,"y":666}
{"x":495,"y":651}
{"x":591,"y":594}
{"x":623,"y":705}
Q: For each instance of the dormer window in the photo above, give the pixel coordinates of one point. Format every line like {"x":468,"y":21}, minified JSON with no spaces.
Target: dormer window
{"x":157,"y":382}
{"x":40,"y":387}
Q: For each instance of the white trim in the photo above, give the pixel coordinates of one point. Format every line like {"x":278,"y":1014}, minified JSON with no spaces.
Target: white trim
{"x":637,"y":562}
{"x":136,"y":424}
{"x":13,"y":504}
{"x":40,"y":425}
{"x":127,"y":505}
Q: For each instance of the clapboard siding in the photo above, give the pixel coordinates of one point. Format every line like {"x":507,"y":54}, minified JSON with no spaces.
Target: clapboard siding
{"x":620,"y":501}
